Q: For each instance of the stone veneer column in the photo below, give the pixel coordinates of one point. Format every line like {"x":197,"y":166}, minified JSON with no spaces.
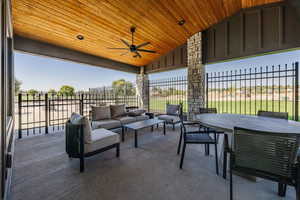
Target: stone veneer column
{"x":196,"y":75}
{"x":142,"y":89}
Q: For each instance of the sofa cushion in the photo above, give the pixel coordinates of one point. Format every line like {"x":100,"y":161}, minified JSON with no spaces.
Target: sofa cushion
{"x":136,"y":112}
{"x":117,"y":110}
{"x":141,"y":118}
{"x":100,"y":112}
{"x":126,"y":119}
{"x":169,"y":118}
{"x":173,"y":109}
{"x":77,"y":119}
{"x":108,"y":124}
{"x":101,"y":138}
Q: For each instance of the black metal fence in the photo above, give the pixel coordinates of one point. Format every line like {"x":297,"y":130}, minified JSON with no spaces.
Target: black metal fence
{"x":171,"y":90}
{"x":270,"y":88}
{"x":44,"y":113}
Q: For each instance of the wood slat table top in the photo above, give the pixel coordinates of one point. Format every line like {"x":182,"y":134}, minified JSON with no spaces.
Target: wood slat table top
{"x":227,"y":122}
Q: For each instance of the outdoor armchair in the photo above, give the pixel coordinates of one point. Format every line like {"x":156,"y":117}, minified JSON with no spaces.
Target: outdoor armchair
{"x":173,"y":113}
{"x":82,"y":141}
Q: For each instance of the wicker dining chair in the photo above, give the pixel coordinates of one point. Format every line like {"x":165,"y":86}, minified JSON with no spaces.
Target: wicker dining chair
{"x":267,"y":155}
{"x":278,"y":115}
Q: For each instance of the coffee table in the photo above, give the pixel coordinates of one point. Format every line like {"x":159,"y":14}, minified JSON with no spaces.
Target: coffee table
{"x":144,"y":124}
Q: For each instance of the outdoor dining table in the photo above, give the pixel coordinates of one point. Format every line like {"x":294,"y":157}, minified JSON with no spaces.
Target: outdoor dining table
{"x":227,"y":122}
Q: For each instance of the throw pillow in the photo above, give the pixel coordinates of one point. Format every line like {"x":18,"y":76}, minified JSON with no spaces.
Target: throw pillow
{"x":136,"y":112}
{"x":117,"y":110}
{"x":100,"y":113}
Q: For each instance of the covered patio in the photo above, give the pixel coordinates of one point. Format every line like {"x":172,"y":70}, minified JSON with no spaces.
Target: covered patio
{"x":174,"y":35}
{"x":44,"y":171}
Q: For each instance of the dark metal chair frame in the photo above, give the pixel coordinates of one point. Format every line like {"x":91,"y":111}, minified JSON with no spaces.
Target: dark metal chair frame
{"x":75,"y":144}
{"x":200,"y":136}
{"x":294,"y":180}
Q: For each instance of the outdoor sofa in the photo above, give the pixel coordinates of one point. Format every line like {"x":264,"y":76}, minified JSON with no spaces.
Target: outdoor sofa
{"x":115,"y":117}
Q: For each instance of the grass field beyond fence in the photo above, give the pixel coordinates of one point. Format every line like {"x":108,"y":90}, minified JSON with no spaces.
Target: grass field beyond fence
{"x":235,"y":107}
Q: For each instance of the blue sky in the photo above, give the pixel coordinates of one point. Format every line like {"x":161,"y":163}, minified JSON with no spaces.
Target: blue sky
{"x":44,"y":73}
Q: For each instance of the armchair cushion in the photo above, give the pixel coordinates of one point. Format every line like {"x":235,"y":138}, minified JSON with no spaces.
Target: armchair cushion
{"x":173,"y":109}
{"x":100,"y":112}
{"x":108,"y":124}
{"x":117,"y":110}
{"x":77,"y":119}
{"x":101,"y":138}
{"x":169,"y":118}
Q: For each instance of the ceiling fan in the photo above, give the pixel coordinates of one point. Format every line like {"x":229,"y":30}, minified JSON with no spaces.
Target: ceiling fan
{"x":136,"y":49}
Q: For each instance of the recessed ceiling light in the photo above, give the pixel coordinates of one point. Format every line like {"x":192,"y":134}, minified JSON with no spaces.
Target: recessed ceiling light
{"x":80,"y":37}
{"x":181,"y":22}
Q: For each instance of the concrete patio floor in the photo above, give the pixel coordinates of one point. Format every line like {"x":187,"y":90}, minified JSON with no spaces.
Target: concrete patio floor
{"x":43,"y":171}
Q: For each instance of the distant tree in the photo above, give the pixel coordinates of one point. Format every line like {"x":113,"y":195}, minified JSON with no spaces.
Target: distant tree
{"x":67,"y":90}
{"x":52,"y":92}
{"x":122,"y":88}
{"x":17,"y":86}
{"x":32,"y":92}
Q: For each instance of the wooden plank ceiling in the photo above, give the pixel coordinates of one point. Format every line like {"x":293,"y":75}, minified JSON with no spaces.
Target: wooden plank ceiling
{"x":104,"y":22}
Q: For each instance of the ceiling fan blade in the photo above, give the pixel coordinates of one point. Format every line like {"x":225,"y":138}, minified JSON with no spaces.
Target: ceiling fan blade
{"x":119,"y":48}
{"x":143,"y":44}
{"x":126,"y":43}
{"x":137,"y":54}
{"x":145,"y":50}
{"x":124,"y":53}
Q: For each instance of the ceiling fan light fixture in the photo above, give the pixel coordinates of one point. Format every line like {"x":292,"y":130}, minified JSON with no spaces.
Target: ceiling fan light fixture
{"x":132,"y":29}
{"x":181,"y":22}
{"x":133,"y":48}
{"x":80,"y":37}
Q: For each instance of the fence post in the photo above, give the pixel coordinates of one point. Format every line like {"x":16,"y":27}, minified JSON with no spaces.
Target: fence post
{"x":20,"y":115}
{"x":296,"y":91}
{"x":206,"y":90}
{"x":148,"y":94}
{"x":81,"y":104}
{"x":46,"y":114}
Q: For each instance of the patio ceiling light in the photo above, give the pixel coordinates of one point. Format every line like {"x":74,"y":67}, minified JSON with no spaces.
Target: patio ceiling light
{"x":80,"y":37}
{"x":181,"y":22}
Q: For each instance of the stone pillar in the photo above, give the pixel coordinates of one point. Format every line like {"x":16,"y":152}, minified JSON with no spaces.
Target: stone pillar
{"x":196,"y":75}
{"x":142,"y":89}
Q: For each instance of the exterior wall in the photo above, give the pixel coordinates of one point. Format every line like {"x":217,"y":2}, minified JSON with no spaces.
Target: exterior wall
{"x":142,"y":89}
{"x":175,"y":59}
{"x":196,"y":75}
{"x":253,"y":31}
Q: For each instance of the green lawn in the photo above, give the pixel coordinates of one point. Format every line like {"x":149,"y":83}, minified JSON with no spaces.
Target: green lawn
{"x":159,"y":104}
{"x":240,"y":107}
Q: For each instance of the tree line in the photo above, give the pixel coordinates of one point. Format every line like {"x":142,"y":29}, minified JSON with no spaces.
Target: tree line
{"x":119,"y":87}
